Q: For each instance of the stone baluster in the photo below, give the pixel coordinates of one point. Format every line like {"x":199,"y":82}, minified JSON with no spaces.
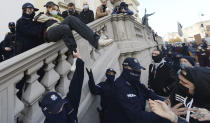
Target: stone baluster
{"x":50,"y":77}
{"x":63,"y":67}
{"x":31,"y":95}
{"x":70,"y":59}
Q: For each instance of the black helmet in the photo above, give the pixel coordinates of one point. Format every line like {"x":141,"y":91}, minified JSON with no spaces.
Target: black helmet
{"x":11,"y":24}
{"x":29,"y":5}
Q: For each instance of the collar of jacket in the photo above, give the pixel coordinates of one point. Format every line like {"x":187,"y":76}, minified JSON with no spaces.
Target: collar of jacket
{"x":158,"y":65}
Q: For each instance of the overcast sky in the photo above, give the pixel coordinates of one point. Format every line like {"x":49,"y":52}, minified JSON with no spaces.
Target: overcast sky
{"x":168,"y":12}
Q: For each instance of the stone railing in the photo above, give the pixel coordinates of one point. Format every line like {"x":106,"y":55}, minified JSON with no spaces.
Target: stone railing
{"x":47,"y":68}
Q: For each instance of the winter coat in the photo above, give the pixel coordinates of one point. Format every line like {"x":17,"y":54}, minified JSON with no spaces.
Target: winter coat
{"x":86,"y":16}
{"x":201,"y":80}
{"x":161,"y":77}
{"x":130,"y":103}
{"x":29,"y":34}
{"x":9,"y":41}
{"x":100,"y":12}
{"x":73,"y":97}
{"x":105,"y":90}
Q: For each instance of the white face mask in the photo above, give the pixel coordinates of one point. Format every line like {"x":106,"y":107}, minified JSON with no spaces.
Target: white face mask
{"x":86,"y":7}
{"x":184,"y":65}
{"x":53,"y":12}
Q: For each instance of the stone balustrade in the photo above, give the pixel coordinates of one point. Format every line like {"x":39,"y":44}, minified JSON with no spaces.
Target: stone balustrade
{"x":48,"y":68}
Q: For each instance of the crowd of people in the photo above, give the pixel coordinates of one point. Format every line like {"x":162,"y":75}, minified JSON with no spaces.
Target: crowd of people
{"x":178,"y":87}
{"x":53,"y":25}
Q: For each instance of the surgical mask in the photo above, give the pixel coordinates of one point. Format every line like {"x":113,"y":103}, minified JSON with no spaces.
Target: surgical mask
{"x":131,"y":76}
{"x":157,"y":59}
{"x":184,"y":65}
{"x":53,"y":12}
{"x":85,"y":7}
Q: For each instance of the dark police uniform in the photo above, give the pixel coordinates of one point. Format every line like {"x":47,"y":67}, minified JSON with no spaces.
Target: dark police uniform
{"x":131,"y":96}
{"x":131,"y":103}
{"x":52,"y":101}
{"x":105,"y":90}
{"x":29,"y":34}
{"x":9,"y":41}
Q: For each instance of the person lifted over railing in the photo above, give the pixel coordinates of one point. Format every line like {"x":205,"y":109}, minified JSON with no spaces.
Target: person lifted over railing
{"x":57,"y":28}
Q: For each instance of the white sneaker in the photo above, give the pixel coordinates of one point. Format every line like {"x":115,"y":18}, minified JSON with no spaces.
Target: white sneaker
{"x":104,"y":42}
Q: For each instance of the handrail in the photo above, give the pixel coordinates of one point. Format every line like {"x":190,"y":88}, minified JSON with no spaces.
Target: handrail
{"x":130,"y":38}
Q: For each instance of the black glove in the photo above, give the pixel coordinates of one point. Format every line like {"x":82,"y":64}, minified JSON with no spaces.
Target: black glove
{"x":90,"y":74}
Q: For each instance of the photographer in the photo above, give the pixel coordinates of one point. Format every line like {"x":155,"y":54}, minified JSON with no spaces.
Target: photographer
{"x":123,"y":8}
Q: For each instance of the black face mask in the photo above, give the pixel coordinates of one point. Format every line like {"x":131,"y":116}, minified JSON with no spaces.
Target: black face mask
{"x":12,"y":30}
{"x":29,"y":16}
{"x":110,"y":78}
{"x":56,"y":118}
{"x":169,"y":55}
{"x":157,"y":59}
{"x":132,"y":76}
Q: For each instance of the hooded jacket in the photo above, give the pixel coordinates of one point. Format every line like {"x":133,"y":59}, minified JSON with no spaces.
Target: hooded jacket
{"x":161,"y":76}
{"x":200,"y":77}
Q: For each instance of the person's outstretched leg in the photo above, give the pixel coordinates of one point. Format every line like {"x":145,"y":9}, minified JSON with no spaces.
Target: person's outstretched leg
{"x":62,"y":32}
{"x":81,"y":28}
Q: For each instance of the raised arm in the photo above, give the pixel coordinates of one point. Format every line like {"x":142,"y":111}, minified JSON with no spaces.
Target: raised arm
{"x":75,"y":87}
{"x":94,"y":89}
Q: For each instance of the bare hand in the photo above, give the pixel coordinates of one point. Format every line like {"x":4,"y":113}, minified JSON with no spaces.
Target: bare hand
{"x":200,"y":114}
{"x":179,"y":111}
{"x":8,"y":48}
{"x":160,"y":108}
{"x":76,"y":55}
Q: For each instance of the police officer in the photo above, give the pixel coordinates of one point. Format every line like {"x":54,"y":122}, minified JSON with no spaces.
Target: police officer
{"x":8,"y":43}
{"x":104,"y":89}
{"x":131,"y":96}
{"x":58,"y":110}
{"x":28,"y":32}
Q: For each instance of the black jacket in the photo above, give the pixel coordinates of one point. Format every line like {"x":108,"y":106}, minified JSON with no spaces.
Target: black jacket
{"x":105,"y":90}
{"x":9,"y":41}
{"x":130,"y":104}
{"x":87,"y":16}
{"x":201,"y":80}
{"x":74,"y":95}
{"x":162,"y":77}
{"x":29,"y":34}
{"x":67,"y":13}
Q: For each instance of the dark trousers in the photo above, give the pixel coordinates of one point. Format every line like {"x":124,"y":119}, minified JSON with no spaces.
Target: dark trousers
{"x":64,"y":31}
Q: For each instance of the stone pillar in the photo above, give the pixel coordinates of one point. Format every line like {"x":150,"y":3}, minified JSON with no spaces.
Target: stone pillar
{"x":63,"y":68}
{"x":50,"y":77}
{"x":32,"y":94}
{"x":19,"y":106}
